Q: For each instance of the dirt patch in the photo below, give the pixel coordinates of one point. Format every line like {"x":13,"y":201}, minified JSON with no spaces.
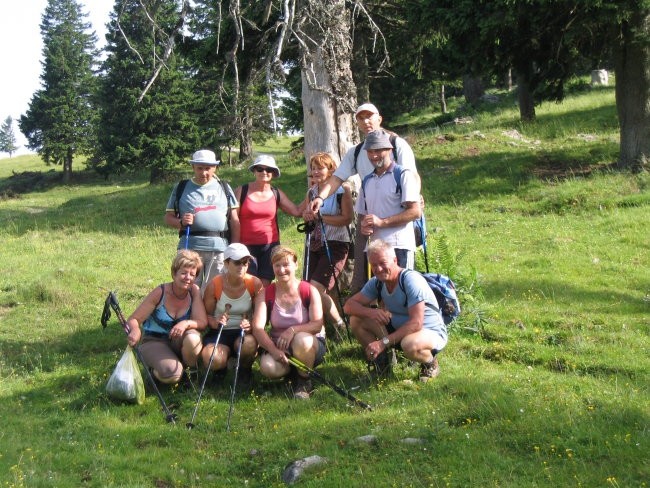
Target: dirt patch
{"x":550,"y":169}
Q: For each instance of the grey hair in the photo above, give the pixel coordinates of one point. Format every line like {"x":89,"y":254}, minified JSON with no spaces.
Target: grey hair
{"x":378,"y":246}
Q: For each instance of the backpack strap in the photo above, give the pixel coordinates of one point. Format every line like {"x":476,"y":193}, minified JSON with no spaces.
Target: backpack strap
{"x":244,"y":192}
{"x":179,"y":193}
{"x":249,"y":281}
{"x":218,"y":287}
{"x":357,"y":150}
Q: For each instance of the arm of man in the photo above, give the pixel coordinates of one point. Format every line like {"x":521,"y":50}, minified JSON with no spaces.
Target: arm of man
{"x":330,"y":186}
{"x":414,"y":323}
{"x":347,"y":211}
{"x":358,"y":305}
{"x":412,"y":211}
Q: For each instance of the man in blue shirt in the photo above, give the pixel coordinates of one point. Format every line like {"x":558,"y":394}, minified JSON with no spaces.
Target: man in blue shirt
{"x":409,"y":318}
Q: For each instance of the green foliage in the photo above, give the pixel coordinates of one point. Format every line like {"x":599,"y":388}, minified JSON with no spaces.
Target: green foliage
{"x":551,"y":392}
{"x":59,"y":123}
{"x":7,"y":136}
{"x":161,"y":129}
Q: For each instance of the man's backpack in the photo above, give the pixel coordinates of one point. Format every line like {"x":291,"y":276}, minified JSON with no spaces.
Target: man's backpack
{"x":244,"y":192}
{"x":180,"y":189}
{"x":443,"y":289}
{"x":304,"y":289}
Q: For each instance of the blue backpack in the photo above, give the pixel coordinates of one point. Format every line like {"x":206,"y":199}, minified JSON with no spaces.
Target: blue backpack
{"x":443,"y":289}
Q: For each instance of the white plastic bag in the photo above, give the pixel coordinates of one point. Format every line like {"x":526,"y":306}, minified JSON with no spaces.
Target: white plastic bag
{"x":126,"y":383}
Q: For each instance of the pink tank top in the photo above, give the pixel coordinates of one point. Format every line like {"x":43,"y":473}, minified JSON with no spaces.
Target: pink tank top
{"x":257,"y":221}
{"x":283,"y":318}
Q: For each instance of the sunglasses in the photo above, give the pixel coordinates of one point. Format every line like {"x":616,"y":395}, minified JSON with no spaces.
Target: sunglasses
{"x":241,"y":262}
{"x":259,"y":169}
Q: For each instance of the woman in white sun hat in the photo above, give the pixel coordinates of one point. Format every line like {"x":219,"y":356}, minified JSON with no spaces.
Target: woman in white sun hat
{"x":259,"y":203}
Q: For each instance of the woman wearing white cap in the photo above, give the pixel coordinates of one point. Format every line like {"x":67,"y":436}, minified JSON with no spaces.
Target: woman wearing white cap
{"x":259,"y":203}
{"x":230,"y":299}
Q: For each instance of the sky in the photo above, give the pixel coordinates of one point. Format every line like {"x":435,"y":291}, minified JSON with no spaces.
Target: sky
{"x":20,"y":53}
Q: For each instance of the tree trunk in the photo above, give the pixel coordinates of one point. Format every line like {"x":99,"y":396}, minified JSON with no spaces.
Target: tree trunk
{"x":443,"y":99}
{"x":633,"y":91}
{"x":360,"y":68}
{"x":67,"y":166}
{"x":328,"y":91}
{"x":473,"y":89}
{"x":525,"y":97}
{"x":245,"y":135}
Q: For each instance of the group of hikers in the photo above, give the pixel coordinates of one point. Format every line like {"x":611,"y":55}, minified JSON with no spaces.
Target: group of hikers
{"x":235,"y":293}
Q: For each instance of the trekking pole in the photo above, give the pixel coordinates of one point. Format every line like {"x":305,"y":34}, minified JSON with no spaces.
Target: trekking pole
{"x":319,"y":377}
{"x":336,"y":280}
{"x":111,"y":302}
{"x":190,"y":425}
{"x":423,"y":228}
{"x":187,"y":236}
{"x":234,"y":384}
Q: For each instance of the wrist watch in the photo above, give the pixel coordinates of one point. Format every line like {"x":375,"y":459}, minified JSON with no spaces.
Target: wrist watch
{"x":385,"y":341}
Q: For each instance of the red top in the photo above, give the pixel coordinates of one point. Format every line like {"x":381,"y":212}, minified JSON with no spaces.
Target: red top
{"x":257,"y":221}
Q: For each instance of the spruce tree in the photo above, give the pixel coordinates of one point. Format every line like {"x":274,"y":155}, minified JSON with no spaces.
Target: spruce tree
{"x":8,"y":137}
{"x":158,"y":130}
{"x":58,"y":124}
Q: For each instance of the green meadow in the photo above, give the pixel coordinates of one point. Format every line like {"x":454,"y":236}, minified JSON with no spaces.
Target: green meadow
{"x":544,"y":382}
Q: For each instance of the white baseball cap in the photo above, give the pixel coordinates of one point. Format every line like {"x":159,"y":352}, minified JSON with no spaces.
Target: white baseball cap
{"x":236,"y":251}
{"x":366,"y":107}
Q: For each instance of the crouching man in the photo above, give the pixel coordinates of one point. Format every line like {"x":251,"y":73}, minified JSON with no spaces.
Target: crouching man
{"x":408,"y":320}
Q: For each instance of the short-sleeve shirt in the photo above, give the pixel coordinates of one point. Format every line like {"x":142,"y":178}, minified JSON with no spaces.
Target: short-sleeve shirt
{"x":405,"y":158}
{"x":415,"y":291}
{"x":379,"y":196}
{"x":209,"y":204}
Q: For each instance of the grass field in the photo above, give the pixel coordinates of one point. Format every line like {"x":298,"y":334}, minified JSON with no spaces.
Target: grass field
{"x":544,"y":382}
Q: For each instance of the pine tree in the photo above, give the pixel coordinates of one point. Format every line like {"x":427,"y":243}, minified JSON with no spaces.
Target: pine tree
{"x":157,"y":130}
{"x":59,"y":121}
{"x":8,"y":137}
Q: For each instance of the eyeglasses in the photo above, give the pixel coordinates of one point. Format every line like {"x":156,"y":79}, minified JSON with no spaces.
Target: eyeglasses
{"x":259,"y":169}
{"x":241,"y":262}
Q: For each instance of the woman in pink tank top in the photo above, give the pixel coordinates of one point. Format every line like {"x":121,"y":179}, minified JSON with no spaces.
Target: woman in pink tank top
{"x":296,"y":320}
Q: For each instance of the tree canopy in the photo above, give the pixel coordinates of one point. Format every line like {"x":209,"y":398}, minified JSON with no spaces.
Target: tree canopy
{"x":60,"y":121}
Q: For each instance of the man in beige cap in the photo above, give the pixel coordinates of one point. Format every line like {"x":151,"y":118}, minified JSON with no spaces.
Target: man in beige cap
{"x":355,"y":161}
{"x":205,"y":212}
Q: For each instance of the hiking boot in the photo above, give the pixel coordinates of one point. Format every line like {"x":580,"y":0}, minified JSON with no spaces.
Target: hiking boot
{"x":302,"y":388}
{"x":383,"y":364}
{"x":429,"y":370}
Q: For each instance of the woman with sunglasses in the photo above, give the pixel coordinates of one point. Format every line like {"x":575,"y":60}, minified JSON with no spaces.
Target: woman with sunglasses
{"x":230,"y":299}
{"x":259,"y":203}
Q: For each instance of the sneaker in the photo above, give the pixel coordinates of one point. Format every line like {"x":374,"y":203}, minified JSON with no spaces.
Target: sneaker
{"x":302,"y":388}
{"x":429,"y":370}
{"x":383,"y":364}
